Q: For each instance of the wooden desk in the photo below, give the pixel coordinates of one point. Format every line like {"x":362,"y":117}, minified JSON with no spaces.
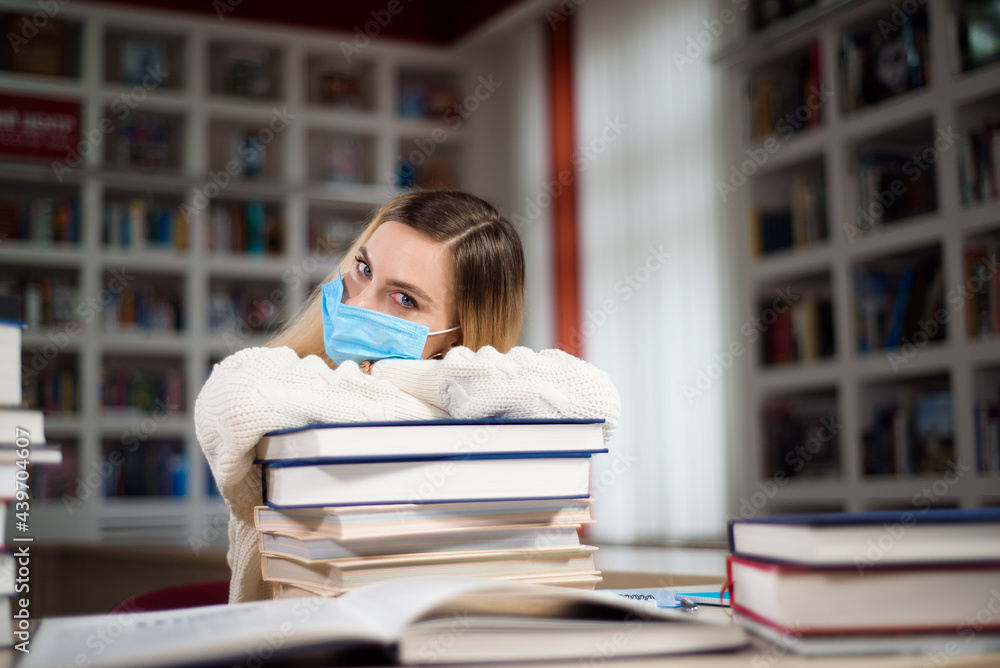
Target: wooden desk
{"x":94,"y":578}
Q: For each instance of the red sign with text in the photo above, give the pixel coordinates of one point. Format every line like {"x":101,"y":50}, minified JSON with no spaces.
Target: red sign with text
{"x":38,"y":127}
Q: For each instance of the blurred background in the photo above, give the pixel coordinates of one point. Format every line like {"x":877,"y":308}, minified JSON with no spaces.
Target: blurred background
{"x":774,"y":223}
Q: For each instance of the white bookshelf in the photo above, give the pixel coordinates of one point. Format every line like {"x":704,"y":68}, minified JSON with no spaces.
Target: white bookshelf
{"x":287,"y":187}
{"x":967,"y":365}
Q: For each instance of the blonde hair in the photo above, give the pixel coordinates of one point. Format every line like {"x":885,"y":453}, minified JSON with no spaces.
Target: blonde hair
{"x":486,"y":255}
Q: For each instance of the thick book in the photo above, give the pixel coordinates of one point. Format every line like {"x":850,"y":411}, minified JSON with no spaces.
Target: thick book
{"x":397,"y":621}
{"x":872,"y":539}
{"x":312,"y":547}
{"x":948,"y":644}
{"x":21,"y":422}
{"x":394,"y":520}
{"x":847,"y":600}
{"x":37,"y":454}
{"x":11,"y":325}
{"x":432,"y":437}
{"x":293,"y":483}
{"x":340,"y":575}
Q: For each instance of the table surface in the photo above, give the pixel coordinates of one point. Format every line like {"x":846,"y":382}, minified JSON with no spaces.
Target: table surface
{"x":633,"y":567}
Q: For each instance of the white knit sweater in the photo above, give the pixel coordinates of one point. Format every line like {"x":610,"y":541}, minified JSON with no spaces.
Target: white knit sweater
{"x":257,"y":390}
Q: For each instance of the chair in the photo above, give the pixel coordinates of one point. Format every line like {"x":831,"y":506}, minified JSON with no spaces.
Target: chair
{"x":171,"y":598}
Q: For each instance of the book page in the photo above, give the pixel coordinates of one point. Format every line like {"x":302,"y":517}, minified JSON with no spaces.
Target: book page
{"x":242,"y":631}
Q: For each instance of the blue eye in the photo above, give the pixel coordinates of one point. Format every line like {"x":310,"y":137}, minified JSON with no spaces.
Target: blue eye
{"x":363,"y":267}
{"x":406,"y":300}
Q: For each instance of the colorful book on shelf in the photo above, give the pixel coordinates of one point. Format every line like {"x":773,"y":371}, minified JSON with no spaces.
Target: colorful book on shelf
{"x":397,"y":622}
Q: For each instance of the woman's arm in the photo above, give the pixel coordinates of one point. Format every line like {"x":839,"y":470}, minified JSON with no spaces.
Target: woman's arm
{"x":257,"y":390}
{"x":521,"y":383}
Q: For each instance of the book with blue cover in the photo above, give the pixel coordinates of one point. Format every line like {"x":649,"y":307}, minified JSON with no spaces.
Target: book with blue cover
{"x":431,"y":438}
{"x":880,"y":539}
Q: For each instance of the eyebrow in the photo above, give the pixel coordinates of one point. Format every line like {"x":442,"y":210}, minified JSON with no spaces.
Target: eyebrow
{"x":402,"y":285}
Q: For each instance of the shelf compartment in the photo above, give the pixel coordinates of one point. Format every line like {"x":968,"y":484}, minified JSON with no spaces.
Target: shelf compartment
{"x":978,"y":149}
{"x":426,"y":93}
{"x":883,"y":56}
{"x":50,"y":295}
{"x":142,"y":303}
{"x":981,"y":284}
{"x":986,"y":418}
{"x":893,"y":176}
{"x":785,"y":97}
{"x":898,"y":301}
{"x":143,"y":141}
{"x":789,"y":209}
{"x":53,"y":51}
{"x":136,"y":386}
{"x":37,"y":215}
{"x":136,"y":221}
{"x":333,"y":82}
{"x":794,"y":321}
{"x":247,"y":151}
{"x":429,"y":161}
{"x":331,"y":230}
{"x":151,"y":468}
{"x":977,"y":30}
{"x":50,"y":378}
{"x":51,"y":482}
{"x":241,"y":310}
{"x":251,"y":228}
{"x":908,"y":426}
{"x":148,"y":59}
{"x":242,"y":70}
{"x":801,"y":435}
{"x":340,"y":158}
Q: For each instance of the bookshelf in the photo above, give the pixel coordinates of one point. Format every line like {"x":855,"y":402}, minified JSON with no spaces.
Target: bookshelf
{"x":235,"y":174}
{"x":864,"y":209}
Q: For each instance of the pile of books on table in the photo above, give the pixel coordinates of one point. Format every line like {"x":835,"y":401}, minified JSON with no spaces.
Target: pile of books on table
{"x":350,"y":504}
{"x":922,"y":581}
{"x":22,"y":446}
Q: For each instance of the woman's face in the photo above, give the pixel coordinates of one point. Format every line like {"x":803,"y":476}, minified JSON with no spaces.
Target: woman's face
{"x":404,"y":273}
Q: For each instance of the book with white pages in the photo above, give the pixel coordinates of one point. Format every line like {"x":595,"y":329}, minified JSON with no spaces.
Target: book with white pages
{"x":292,"y":483}
{"x":353,"y":522}
{"x":397,"y":621}
{"x":431,"y":438}
{"x":21,"y":422}
{"x":336,"y":575}
{"x":309,"y":547}
{"x":10,"y":351}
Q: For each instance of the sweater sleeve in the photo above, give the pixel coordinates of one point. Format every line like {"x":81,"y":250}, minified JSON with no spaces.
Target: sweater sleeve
{"x":521,"y":383}
{"x":257,"y":390}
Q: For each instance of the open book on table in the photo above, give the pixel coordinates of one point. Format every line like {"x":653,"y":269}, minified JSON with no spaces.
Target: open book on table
{"x":419,"y":620}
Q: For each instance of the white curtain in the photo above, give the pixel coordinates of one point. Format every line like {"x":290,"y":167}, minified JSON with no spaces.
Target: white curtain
{"x":647,"y":191}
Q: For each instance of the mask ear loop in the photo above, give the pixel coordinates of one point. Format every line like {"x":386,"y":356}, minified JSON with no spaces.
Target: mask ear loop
{"x":440,"y":355}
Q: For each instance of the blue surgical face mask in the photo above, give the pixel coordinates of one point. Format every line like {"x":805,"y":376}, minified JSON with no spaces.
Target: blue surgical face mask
{"x":361,"y":334}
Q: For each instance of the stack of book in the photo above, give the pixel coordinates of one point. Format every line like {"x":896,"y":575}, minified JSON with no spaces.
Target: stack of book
{"x":350,"y":504}
{"x":22,"y":443}
{"x":919,"y":581}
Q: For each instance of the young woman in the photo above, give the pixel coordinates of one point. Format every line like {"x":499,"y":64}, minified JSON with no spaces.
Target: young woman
{"x":419,"y":322}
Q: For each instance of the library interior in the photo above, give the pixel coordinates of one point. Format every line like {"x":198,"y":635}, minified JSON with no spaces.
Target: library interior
{"x":518,"y":331}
